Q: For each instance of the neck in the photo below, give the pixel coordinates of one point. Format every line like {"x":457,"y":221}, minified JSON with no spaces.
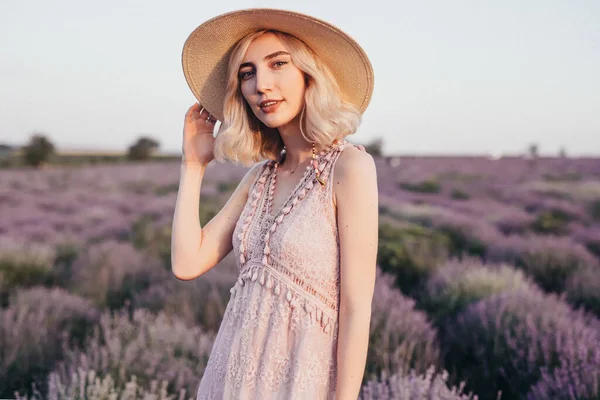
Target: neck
{"x":297,"y":149}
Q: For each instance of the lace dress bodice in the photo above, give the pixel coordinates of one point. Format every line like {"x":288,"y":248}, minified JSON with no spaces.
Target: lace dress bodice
{"x":278,"y":338}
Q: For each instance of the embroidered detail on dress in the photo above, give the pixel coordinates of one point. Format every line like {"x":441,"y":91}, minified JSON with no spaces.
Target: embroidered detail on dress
{"x":293,"y":297}
{"x":267,"y":270}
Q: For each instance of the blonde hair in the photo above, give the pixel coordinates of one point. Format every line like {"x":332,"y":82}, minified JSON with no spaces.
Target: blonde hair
{"x":244,"y":139}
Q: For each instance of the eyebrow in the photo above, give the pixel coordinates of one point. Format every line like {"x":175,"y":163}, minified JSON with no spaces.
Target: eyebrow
{"x":272,"y":55}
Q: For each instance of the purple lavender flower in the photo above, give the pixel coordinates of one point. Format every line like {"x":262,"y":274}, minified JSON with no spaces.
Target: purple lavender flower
{"x":503,"y":342}
{"x":151,"y":347}
{"x":109,"y":273}
{"x":577,"y":378}
{"x":458,"y":283}
{"x":550,"y":260}
{"x":413,"y":386}
{"x":33,"y":331}
{"x":583,"y":289}
{"x":400,"y":337}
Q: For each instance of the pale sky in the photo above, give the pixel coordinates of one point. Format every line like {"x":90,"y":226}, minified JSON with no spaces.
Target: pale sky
{"x":451,"y":77}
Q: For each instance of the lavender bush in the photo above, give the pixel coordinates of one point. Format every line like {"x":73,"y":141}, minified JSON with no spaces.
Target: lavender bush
{"x":457,"y":284}
{"x":550,"y":260}
{"x":151,"y":347}
{"x":583,"y":289}
{"x":577,"y":378}
{"x":111,"y":273}
{"x":72,"y":210}
{"x":400,"y":336}
{"x":23,"y":265}
{"x":467,"y":233}
{"x":410,"y":253}
{"x":503,"y":341}
{"x":589,"y":236}
{"x":33,"y":331}
{"x":201,"y":301}
{"x":88,"y":385}
{"x":413,"y":386}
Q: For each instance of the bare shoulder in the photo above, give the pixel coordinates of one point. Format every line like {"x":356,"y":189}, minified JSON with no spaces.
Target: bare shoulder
{"x":354,"y":170}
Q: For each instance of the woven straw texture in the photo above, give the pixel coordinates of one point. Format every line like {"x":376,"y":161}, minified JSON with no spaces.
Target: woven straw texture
{"x":207,"y":49}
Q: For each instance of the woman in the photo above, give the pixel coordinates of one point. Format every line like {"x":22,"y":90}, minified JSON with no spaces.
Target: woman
{"x":288,"y":89}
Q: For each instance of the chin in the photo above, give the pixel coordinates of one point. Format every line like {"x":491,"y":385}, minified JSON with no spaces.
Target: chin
{"x":276,"y":122}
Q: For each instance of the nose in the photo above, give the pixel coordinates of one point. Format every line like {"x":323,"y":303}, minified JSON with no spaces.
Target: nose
{"x":264,"y":81}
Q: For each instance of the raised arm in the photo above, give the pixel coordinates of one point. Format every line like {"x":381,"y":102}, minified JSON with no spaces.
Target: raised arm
{"x":196,"y":249}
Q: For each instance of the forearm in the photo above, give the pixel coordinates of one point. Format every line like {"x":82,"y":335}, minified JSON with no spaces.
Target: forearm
{"x":186,"y":236}
{"x":353,"y":343}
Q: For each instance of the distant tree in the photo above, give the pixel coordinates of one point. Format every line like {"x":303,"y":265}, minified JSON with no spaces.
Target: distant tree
{"x":374,"y":147}
{"x":562,"y":152}
{"x":533,"y":151}
{"x":142,"y":149}
{"x":38,"y":150}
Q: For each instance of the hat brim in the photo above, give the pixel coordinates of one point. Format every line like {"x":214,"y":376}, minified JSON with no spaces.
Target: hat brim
{"x":206,"y":53}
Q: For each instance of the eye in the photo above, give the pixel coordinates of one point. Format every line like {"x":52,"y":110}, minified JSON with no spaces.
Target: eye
{"x":245,"y":74}
{"x":280,"y":63}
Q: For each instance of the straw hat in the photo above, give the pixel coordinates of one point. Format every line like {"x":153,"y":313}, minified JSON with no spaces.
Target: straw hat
{"x":206,"y":53}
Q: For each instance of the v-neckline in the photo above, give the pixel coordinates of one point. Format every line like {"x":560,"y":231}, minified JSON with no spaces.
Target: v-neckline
{"x":272,"y":175}
{"x":270,"y":199}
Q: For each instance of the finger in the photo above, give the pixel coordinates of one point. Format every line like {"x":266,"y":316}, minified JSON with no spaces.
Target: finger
{"x":204,"y":114}
{"x":193,"y":108}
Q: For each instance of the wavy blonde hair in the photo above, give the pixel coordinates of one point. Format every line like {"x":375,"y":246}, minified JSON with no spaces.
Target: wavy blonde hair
{"x":326,"y":115}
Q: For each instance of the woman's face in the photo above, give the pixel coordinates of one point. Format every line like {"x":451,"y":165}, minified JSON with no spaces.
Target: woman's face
{"x":267,"y":73}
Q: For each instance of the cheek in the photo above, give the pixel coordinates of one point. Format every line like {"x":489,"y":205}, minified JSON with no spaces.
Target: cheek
{"x":295,"y":86}
{"x":244,"y":90}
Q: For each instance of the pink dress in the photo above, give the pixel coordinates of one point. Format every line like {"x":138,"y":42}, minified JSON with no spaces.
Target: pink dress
{"x":278,"y":338}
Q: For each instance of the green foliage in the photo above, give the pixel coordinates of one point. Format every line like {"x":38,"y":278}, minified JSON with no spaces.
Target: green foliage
{"x":458,"y":194}
{"x":428,"y":186}
{"x":551,"y":222}
{"x":410,"y":252}
{"x":594,"y":209}
{"x":226,"y":187}
{"x":142,"y":149}
{"x":459,"y":176}
{"x":568,"y":176}
{"x":209,"y":207}
{"x":166,"y":189}
{"x":457,"y":284}
{"x":65,"y":255}
{"x":38,"y":151}
{"x":153,"y":239}
{"x":23,"y":266}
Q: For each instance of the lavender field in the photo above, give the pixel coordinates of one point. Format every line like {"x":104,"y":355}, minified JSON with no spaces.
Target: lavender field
{"x":488,"y":281}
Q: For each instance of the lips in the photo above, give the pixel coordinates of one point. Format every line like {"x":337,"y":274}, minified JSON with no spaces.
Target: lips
{"x":267,"y":102}
{"x":268,"y":106}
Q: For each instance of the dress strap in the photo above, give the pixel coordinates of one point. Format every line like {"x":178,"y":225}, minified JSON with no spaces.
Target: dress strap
{"x":260,"y":172}
{"x":329,"y":170}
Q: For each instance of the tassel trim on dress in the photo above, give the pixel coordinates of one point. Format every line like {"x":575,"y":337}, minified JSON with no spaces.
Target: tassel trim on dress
{"x":294,"y":298}
{"x":271,"y":281}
